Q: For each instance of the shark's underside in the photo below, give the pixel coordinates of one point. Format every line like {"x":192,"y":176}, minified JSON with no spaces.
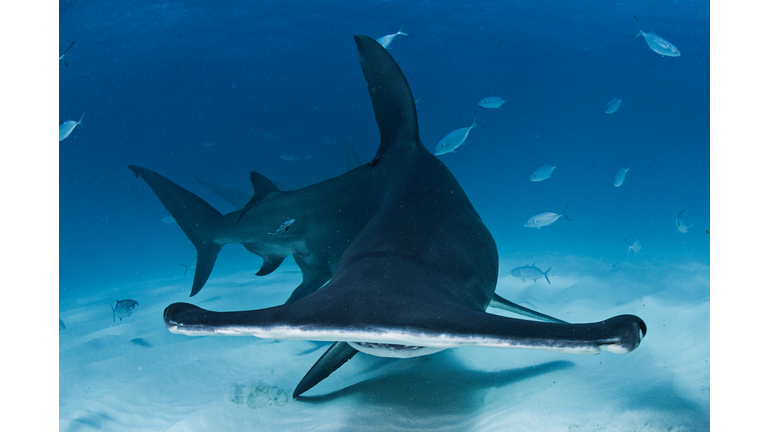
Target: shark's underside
{"x":414,"y":273}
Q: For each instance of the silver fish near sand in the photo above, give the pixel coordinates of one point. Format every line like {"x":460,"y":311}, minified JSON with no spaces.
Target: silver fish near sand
{"x":681,"y":224}
{"x":657,"y":43}
{"x":68,"y":126}
{"x":634,"y":246}
{"x":544,"y":219}
{"x":530,"y":272}
{"x":492,"y":102}
{"x":543,"y":172}
{"x":386,"y":40}
{"x":620,"y":176}
{"x":62,"y":58}
{"x":456,"y":138}
{"x":123,"y":308}
{"x":612,"y":106}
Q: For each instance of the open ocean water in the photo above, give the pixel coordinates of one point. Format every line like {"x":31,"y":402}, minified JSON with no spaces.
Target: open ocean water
{"x":213,"y":90}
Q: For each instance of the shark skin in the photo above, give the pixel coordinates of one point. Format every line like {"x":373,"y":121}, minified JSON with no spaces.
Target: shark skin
{"x":416,"y":278}
{"x":327,"y":216}
{"x":314,"y":276}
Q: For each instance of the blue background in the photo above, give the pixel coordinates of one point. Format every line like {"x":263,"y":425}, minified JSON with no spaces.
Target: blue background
{"x":259,"y":80}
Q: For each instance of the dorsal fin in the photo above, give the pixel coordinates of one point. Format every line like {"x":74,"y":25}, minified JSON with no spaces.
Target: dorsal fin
{"x":391,"y":96}
{"x":262,"y":187}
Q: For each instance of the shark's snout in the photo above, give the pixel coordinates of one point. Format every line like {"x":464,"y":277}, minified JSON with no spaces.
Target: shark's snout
{"x":627,"y":333}
{"x":180,"y":314}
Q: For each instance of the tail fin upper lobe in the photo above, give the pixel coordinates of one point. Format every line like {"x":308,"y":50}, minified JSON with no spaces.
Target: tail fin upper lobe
{"x":196,"y":218}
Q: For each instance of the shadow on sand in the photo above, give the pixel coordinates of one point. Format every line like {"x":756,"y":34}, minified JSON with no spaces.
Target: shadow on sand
{"x":431,"y":392}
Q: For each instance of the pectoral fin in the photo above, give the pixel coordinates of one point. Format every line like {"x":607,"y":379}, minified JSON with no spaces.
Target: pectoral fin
{"x":500,"y":302}
{"x":338,"y":354}
{"x":271,"y":263}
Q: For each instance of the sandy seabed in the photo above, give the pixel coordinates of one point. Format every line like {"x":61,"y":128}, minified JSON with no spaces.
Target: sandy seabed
{"x":135,"y":375}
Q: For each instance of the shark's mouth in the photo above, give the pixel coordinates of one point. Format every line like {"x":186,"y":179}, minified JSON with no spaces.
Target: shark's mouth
{"x":393,"y":350}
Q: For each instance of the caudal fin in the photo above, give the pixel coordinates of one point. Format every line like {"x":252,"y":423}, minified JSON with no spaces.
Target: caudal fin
{"x":196,"y":218}
{"x":62,"y":57}
{"x":640,"y":32}
{"x":564,"y":215}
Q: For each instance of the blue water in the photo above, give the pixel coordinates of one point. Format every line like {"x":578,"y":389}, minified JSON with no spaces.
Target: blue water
{"x":214,"y":90}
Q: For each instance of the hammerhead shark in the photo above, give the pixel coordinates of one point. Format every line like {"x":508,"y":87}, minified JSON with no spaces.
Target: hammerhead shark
{"x":415,"y":270}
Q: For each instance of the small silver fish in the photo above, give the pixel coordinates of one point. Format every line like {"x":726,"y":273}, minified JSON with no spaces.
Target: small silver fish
{"x":530,"y":272}
{"x":612,"y":106}
{"x":62,"y":58}
{"x":386,"y":40}
{"x":61,"y":325}
{"x":284,"y":227}
{"x":68,"y":126}
{"x":634,"y":246}
{"x":123,"y":308}
{"x":682,"y":225}
{"x":543,"y":172}
{"x":456,"y":138}
{"x":544,"y":219}
{"x":657,"y":43}
{"x":620,"y":176}
{"x":492,"y":102}
{"x":168,"y":220}
{"x":287,"y":157}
